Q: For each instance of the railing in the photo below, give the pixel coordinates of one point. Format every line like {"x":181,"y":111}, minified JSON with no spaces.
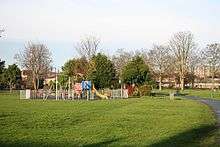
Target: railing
{"x":65,"y":94}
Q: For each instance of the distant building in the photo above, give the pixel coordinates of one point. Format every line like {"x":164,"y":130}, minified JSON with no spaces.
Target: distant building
{"x":27,"y":80}
{"x":25,"y":74}
{"x":202,"y":79}
{"x":202,"y":72}
{"x":207,"y":85}
{"x":51,"y":76}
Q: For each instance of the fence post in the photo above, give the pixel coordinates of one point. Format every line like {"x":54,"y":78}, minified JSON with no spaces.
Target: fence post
{"x":28,"y":93}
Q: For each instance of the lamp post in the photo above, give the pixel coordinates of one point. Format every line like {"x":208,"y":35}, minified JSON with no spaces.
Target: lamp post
{"x":121,"y":88}
{"x":69,"y":88}
{"x":56,"y":83}
{"x":56,"y":80}
{"x":74,"y":81}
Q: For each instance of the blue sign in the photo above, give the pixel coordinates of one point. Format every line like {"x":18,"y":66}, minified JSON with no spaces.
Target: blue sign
{"x":86,"y":85}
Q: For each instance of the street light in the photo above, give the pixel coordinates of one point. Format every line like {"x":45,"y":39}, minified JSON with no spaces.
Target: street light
{"x":69,"y":88}
{"x":56,"y":83}
{"x":56,"y":80}
{"x":121,"y":88}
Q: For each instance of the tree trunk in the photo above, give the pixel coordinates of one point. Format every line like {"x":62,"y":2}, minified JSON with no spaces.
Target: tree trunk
{"x":35,"y":87}
{"x":175,"y":83}
{"x":37,"y":83}
{"x":160,"y":83}
{"x":10,"y":86}
{"x":193,"y":83}
{"x":169,"y":82}
{"x":213,"y":82}
{"x":34,"y":83}
{"x":182,"y":83}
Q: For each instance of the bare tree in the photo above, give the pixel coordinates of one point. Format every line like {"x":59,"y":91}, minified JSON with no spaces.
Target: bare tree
{"x":171,"y":73}
{"x":181,"y":45}
{"x":193,"y":63}
{"x":88,"y":46}
{"x":35,"y":58}
{"x":159,"y":61}
{"x":211,"y":58}
{"x":1,"y":31}
{"x":120,"y":59}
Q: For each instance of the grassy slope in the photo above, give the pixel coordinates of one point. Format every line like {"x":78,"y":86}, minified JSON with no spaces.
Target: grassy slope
{"x":154,"y":122}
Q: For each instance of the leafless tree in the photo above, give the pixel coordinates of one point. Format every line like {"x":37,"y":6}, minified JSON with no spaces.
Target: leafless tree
{"x":35,"y":58}
{"x":159,"y":61}
{"x":120,"y":59}
{"x":193,"y":63}
{"x":211,"y":58}
{"x":171,"y":73}
{"x":1,"y":31}
{"x":88,"y":46}
{"x":181,"y":46}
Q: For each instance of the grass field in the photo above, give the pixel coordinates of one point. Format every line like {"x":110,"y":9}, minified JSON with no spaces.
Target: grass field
{"x":203,"y":93}
{"x":130,"y":122}
{"x":194,"y":92}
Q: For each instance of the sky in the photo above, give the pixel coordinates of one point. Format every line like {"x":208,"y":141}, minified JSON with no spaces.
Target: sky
{"x":129,"y":24}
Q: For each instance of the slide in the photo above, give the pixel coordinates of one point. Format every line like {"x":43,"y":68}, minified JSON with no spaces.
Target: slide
{"x":99,"y":94}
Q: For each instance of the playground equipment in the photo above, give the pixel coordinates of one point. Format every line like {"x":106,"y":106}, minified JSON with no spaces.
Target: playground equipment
{"x":99,"y":94}
{"x":84,"y":90}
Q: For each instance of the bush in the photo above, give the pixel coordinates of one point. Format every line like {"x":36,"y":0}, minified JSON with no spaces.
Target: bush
{"x":145,"y":90}
{"x":136,"y":92}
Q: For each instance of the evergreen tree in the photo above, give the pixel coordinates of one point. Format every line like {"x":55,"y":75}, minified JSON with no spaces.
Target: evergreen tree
{"x":136,"y":72}
{"x":101,"y":71}
{"x":12,"y":76}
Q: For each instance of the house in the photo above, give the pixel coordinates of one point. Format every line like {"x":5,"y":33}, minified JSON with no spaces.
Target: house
{"x":51,"y":76}
{"x":27,"y":80}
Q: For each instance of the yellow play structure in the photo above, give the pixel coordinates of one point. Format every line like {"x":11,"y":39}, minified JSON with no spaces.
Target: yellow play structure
{"x":101,"y":96}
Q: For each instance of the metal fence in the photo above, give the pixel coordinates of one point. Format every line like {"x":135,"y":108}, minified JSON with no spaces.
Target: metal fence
{"x":23,"y":94}
{"x":70,"y":94}
{"x":119,"y":93}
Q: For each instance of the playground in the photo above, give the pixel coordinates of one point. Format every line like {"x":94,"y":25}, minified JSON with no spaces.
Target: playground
{"x":142,"y":121}
{"x":74,"y":91}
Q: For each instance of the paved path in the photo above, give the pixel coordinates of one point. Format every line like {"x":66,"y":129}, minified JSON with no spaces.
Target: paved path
{"x":214,"y":104}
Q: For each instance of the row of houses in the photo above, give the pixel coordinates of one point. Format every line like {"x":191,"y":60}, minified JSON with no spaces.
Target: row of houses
{"x":202,"y":79}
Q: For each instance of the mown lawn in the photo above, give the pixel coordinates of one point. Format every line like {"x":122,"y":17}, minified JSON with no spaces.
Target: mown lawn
{"x":203,"y":93}
{"x":131,"y":122}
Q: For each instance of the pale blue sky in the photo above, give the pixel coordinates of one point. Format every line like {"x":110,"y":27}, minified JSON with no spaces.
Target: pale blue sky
{"x":131,"y":24}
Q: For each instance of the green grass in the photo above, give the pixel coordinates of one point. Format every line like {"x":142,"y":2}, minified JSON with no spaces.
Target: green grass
{"x":130,"y":122}
{"x":203,"y":93}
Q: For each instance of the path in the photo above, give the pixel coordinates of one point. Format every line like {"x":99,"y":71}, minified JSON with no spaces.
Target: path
{"x":214,"y":104}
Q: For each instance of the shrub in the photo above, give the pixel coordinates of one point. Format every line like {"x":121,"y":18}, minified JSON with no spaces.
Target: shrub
{"x":145,"y":90}
{"x":136,"y":92}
